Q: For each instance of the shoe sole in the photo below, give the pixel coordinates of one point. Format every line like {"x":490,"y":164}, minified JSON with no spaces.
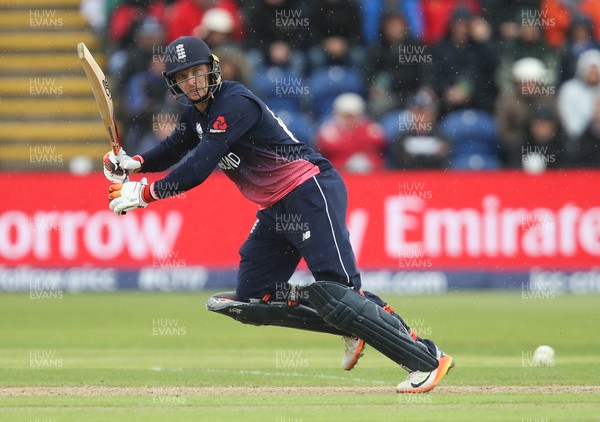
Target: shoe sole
{"x":445,"y":365}
{"x":357,"y":355}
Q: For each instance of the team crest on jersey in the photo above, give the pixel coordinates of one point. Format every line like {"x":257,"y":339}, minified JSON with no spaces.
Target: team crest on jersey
{"x":219,"y":125}
{"x":180,"y":50}
{"x":199,"y":130}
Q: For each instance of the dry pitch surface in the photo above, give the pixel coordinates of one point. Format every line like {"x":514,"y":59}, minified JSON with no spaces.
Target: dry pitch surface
{"x":282,"y":391}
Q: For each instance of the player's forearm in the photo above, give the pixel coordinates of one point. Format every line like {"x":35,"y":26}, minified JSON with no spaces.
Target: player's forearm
{"x":185,"y":177}
{"x":159,"y":159}
{"x":166,"y":154}
{"x":192,"y":172}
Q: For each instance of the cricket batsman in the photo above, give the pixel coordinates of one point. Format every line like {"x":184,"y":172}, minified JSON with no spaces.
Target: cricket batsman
{"x":227,"y":126}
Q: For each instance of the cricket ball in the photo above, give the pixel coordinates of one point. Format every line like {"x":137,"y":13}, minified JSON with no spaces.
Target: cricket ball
{"x":544,"y":356}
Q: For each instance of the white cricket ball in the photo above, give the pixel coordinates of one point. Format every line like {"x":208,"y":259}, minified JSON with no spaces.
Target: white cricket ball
{"x":544,"y":356}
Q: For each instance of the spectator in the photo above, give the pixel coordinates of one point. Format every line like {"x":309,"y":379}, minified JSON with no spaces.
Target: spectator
{"x":145,"y":93}
{"x":127,"y":17}
{"x":143,"y":88}
{"x":395,"y":65}
{"x":185,"y":15}
{"x":501,"y":16}
{"x":331,"y":18}
{"x":419,"y":144}
{"x":350,"y":140}
{"x":557,"y":14}
{"x":463,"y":69}
{"x":279,"y":81}
{"x":334,"y":23}
{"x":215,"y":28}
{"x":590,"y":9}
{"x":579,"y":40}
{"x":544,"y":144}
{"x":437,"y":14}
{"x":268,"y":21}
{"x":334,"y":77}
{"x":135,"y":58}
{"x":235,"y":65}
{"x":373,"y":10}
{"x":333,"y":51}
{"x":588,"y":153}
{"x":577,"y":97}
{"x":513,"y":108}
{"x":560,"y":15}
{"x":93,"y":11}
{"x":529,"y":43}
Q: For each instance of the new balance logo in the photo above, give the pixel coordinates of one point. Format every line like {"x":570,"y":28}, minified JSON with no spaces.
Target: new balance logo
{"x":180,"y":52}
{"x":306,"y":235}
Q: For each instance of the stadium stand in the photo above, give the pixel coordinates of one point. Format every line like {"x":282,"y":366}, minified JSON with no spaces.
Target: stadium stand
{"x":48,"y":116}
{"x":46,"y":102}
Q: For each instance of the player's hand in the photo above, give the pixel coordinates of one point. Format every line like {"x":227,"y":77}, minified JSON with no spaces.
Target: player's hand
{"x":129,"y":196}
{"x":118,"y":167}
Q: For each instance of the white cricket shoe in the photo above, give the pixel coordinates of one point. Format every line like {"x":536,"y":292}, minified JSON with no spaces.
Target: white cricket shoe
{"x":353,"y":350}
{"x":422,"y":382}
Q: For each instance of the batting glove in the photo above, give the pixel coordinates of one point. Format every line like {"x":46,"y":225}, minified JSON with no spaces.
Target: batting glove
{"x":118,"y":167}
{"x":129,"y":196}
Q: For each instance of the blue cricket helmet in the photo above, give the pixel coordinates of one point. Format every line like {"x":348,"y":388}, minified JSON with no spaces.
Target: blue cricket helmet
{"x":187,"y":52}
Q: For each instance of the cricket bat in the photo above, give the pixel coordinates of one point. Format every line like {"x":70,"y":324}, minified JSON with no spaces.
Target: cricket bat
{"x":99,"y":83}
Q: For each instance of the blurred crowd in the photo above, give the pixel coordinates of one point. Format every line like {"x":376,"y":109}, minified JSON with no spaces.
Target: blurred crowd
{"x":376,"y":84}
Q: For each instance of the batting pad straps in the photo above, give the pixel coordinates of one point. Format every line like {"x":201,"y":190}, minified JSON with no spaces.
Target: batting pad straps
{"x":348,"y":311}
{"x":270,"y":313}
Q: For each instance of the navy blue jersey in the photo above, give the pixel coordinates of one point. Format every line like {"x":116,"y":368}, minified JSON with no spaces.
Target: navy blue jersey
{"x":241,"y":135}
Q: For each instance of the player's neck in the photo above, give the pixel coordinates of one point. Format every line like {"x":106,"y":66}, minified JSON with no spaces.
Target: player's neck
{"x":201,"y":107}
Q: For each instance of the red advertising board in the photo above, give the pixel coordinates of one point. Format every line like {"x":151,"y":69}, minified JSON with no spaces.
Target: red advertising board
{"x":398,"y":220}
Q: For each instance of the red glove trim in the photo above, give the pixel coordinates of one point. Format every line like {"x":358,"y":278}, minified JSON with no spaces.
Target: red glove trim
{"x":148,"y":194}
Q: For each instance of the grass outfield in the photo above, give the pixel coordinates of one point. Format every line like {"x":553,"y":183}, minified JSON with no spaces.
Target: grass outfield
{"x":162,"y":357}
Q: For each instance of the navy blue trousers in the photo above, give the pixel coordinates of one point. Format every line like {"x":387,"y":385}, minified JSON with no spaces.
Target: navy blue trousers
{"x":309,"y":223}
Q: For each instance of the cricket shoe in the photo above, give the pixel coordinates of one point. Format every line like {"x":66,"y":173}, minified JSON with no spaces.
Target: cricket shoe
{"x":422,"y":382}
{"x":353,"y":350}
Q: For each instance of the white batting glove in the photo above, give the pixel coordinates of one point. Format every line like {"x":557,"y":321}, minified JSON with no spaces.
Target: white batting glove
{"x":129,"y":196}
{"x":118,"y":167}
